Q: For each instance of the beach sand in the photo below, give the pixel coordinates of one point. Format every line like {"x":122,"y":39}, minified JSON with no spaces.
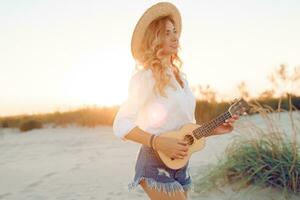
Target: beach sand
{"x":91,"y":163}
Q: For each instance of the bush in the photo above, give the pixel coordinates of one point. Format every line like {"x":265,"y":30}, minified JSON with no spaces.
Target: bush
{"x":261,"y":157}
{"x":5,"y":124}
{"x":29,"y":125}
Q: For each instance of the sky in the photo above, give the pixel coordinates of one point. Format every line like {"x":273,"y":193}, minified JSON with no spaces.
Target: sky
{"x":60,"y":55}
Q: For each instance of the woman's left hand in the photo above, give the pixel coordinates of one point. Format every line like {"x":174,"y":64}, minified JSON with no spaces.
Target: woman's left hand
{"x":226,"y":127}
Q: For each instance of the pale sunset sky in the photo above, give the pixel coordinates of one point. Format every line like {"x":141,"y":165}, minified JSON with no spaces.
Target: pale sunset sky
{"x":57,"y":54}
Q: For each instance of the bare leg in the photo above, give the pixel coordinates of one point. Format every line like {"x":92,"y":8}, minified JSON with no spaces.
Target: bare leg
{"x":186,"y":195}
{"x":160,"y":195}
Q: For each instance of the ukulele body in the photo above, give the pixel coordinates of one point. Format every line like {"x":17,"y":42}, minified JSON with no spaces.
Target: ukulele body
{"x":184,"y":133}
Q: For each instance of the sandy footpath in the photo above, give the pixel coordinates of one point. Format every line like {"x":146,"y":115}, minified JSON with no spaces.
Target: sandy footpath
{"x":91,"y":163}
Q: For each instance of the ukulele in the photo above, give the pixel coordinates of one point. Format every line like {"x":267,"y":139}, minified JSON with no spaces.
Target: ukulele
{"x":195,"y":134}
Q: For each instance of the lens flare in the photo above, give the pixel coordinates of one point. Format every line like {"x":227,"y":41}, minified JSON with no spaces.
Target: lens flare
{"x":157,"y":114}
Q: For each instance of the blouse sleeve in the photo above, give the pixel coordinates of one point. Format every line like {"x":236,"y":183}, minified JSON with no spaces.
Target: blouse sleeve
{"x":125,"y":119}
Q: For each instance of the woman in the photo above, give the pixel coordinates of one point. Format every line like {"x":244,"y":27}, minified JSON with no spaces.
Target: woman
{"x":159,"y":100}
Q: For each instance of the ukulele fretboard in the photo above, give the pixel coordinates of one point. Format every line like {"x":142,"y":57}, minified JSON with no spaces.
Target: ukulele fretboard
{"x":206,"y":129}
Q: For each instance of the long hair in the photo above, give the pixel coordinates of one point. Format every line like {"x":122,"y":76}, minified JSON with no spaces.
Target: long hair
{"x":151,"y":57}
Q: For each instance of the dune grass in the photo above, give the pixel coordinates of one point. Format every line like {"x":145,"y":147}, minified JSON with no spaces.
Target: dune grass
{"x":87,"y":117}
{"x":91,"y":116}
{"x":205,"y":110}
{"x":262,"y":157}
{"x":29,"y":125}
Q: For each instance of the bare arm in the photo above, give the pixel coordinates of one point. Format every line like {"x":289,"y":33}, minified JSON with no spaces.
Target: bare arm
{"x":138,"y":135}
{"x":170,"y":146}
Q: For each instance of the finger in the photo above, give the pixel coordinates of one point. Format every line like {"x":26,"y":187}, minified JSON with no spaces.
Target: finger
{"x":178,"y":157}
{"x":183,"y":155}
{"x":231,"y":120}
{"x":227,"y":124}
{"x":228,"y":120}
{"x":184,"y":150}
{"x":182,"y":142}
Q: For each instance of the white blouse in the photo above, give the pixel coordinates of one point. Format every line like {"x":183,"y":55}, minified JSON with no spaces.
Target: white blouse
{"x":153,"y":113}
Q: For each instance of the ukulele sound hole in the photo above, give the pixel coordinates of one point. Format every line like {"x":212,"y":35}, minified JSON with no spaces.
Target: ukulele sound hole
{"x":189,"y":139}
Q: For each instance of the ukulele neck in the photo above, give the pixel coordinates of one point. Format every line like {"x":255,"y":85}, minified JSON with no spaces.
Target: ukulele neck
{"x":207,"y":128}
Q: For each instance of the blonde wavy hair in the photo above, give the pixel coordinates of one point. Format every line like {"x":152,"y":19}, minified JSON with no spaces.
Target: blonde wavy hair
{"x":151,"y":57}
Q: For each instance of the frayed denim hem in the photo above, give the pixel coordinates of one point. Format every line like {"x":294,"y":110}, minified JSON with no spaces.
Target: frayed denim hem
{"x":188,"y":187}
{"x":168,"y":188}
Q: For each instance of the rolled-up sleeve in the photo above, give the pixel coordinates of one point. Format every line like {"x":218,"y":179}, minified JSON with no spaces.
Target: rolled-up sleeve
{"x":125,"y":119}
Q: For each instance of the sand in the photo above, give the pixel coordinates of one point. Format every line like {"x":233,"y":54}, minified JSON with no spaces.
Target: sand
{"x":91,"y":163}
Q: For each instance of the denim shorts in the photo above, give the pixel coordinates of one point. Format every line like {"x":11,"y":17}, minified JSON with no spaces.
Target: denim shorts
{"x":157,"y":175}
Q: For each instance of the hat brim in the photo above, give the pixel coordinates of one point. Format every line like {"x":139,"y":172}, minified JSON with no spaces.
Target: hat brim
{"x":158,"y":10}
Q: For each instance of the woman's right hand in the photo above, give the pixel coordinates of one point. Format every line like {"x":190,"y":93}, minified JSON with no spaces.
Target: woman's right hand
{"x":172,"y":147}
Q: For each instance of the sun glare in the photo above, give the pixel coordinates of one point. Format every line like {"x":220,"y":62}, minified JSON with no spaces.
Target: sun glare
{"x":93,"y":80}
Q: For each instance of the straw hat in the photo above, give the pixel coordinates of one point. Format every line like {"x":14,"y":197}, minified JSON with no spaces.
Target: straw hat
{"x":158,"y":10}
